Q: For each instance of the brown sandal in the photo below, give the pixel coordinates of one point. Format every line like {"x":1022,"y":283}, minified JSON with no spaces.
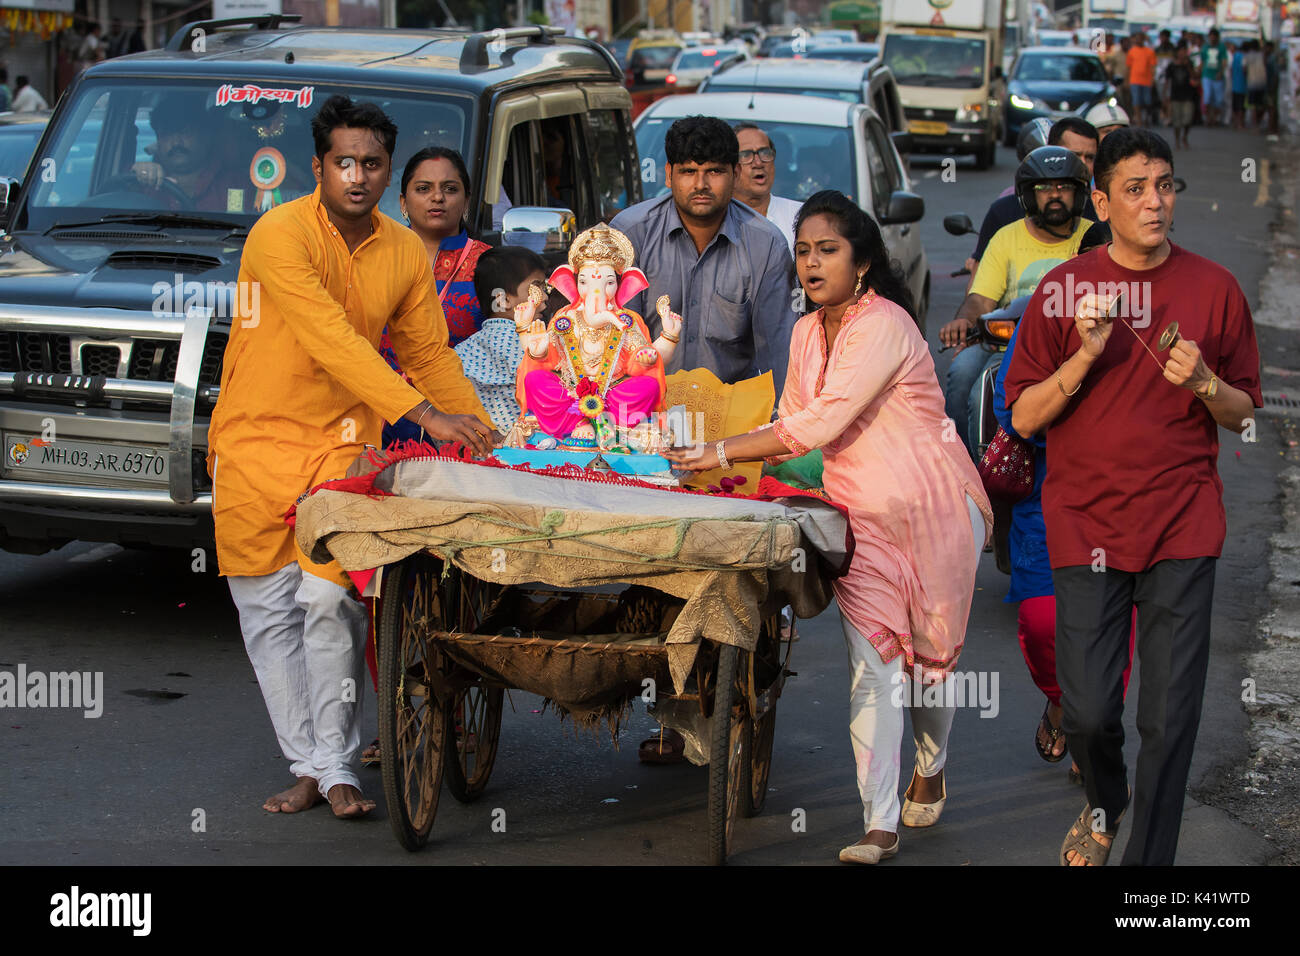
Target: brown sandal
{"x":1080,"y":840}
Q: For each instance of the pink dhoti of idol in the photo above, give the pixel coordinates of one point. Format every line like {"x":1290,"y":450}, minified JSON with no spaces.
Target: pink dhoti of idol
{"x":629,"y":402}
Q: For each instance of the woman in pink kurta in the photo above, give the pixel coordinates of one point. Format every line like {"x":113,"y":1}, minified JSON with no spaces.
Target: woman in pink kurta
{"x":872,"y":403}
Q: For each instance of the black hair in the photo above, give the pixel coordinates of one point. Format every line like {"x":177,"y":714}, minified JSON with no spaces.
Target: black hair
{"x":701,"y":139}
{"x":435,"y":152}
{"x":4,"y":75}
{"x":1125,"y":142}
{"x":20,"y":82}
{"x":883,"y":275}
{"x":504,"y":268}
{"x":1071,"y":124}
{"x":341,"y":111}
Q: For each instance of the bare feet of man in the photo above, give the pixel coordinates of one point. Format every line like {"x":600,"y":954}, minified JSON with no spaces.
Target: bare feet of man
{"x":300,"y":796}
{"x":347,"y":802}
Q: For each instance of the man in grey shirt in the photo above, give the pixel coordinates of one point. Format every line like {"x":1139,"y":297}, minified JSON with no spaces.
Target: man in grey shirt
{"x":726,"y":269}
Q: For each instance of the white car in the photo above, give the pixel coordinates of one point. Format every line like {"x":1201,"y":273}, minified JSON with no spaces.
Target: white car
{"x":820,"y":144}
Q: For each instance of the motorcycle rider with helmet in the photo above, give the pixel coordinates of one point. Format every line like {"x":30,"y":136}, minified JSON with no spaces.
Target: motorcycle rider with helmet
{"x":1051,"y":189}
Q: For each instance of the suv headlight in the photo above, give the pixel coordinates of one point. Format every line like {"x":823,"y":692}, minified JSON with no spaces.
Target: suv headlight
{"x":971,"y":113}
{"x":1021,"y":102}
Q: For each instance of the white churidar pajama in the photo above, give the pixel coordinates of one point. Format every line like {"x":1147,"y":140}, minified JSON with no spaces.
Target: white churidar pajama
{"x":876,"y":724}
{"x":306,"y":639}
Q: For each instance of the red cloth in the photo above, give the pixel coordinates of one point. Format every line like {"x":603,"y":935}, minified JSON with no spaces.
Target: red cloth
{"x":1036,"y":628}
{"x":1131,"y":462}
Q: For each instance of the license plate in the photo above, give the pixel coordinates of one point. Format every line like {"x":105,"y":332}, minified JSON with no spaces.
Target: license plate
{"x":927,"y":128}
{"x":81,"y":459}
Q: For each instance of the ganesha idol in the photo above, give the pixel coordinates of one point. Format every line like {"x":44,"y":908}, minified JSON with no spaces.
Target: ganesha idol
{"x":594,"y":374}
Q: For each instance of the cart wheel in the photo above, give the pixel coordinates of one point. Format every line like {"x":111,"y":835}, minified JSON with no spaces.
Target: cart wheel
{"x":413,"y":725}
{"x":476,"y":723}
{"x":729,"y":752}
{"x":767,"y":664}
{"x":476,"y":709}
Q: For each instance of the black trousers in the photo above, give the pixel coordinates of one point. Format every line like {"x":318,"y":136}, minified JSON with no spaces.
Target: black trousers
{"x":1174,"y":600}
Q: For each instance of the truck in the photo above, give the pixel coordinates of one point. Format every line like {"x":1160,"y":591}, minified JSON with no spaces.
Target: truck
{"x":1104,"y":16}
{"x":1149,"y":16}
{"x":947,"y":58}
{"x":1241,"y":20}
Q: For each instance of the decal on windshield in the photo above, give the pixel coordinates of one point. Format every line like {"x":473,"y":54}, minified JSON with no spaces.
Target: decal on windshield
{"x":248,"y":93}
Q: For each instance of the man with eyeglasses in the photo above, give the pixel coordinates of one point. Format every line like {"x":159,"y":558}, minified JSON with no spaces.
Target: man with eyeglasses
{"x":757,"y":177}
{"x":1052,"y":187}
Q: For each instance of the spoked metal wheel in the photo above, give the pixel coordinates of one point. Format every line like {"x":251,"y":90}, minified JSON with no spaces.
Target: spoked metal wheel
{"x":475,"y":711}
{"x":766,"y":676}
{"x":731,"y":732}
{"x":413,"y":723}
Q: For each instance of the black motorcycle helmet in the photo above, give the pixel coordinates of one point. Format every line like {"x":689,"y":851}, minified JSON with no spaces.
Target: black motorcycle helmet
{"x":1032,"y":135}
{"x":1045,"y":164}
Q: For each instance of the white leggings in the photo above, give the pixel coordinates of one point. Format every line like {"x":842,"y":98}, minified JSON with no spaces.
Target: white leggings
{"x":876,"y":722}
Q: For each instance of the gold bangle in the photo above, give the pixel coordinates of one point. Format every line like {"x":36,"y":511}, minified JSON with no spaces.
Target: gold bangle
{"x":671,"y":338}
{"x":720,"y":450}
{"x":1210,"y":390}
{"x":1061,"y":386}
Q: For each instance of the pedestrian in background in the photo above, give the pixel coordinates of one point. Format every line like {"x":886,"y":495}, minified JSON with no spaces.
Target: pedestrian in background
{"x":1141,"y":60}
{"x":1214,"y":71}
{"x":26,"y":99}
{"x":1132,"y":500}
{"x":1182,"y":96}
{"x":1237,"y":77}
{"x":1256,"y":70}
{"x":757,"y":176}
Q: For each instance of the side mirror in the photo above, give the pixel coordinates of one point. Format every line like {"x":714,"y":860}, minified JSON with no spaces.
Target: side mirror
{"x":958,"y":224}
{"x":9,"y":189}
{"x":539,"y":228}
{"x":902,"y":141}
{"x":903,"y":207}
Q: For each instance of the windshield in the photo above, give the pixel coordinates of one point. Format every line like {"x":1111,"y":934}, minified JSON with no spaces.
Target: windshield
{"x":918,"y":60}
{"x":204,"y":147}
{"x":808,"y":158}
{"x":1060,"y":69}
{"x":703,"y":60}
{"x":660,"y":57}
{"x":17,"y":143}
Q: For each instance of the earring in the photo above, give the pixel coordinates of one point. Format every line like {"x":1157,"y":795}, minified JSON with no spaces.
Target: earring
{"x":857,"y":289}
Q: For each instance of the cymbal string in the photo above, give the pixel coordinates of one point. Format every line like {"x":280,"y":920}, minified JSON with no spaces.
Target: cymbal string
{"x":1154,"y":358}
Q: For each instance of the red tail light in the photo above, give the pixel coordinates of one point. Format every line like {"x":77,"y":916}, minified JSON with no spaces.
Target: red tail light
{"x":672,"y":78}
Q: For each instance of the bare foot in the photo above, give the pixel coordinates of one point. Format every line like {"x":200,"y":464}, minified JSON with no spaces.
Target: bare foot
{"x":300,"y":796}
{"x":347,"y":802}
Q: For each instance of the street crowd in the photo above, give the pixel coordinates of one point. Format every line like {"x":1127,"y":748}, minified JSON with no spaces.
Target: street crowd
{"x":412,"y":329}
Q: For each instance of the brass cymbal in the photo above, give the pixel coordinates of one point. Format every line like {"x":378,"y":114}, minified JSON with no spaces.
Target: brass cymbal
{"x":1169,"y":336}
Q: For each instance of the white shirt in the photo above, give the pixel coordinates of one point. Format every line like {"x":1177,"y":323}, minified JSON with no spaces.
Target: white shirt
{"x":490,"y":358}
{"x":28,"y":100}
{"x":781,"y":213}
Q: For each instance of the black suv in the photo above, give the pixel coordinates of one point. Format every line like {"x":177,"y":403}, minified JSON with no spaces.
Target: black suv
{"x":116,"y":294}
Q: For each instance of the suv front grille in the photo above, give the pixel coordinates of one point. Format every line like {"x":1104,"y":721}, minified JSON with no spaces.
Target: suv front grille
{"x":151,"y":359}
{"x":100,"y":360}
{"x":35,"y":352}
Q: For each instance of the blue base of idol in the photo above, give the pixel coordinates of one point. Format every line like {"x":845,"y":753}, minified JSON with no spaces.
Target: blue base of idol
{"x":620,"y":463}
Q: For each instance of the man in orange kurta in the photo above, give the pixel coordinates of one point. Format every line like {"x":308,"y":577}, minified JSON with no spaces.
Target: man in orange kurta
{"x":303,"y":389}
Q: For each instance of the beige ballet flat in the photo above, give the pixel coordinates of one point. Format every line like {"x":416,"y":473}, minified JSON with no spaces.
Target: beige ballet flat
{"x":923,"y":814}
{"x":868,"y":853}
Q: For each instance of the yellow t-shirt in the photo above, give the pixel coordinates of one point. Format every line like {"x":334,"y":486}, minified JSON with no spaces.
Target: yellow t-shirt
{"x":1015,"y":262}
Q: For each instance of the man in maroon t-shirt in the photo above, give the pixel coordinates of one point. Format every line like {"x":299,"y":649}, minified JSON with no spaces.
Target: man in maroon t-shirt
{"x":1132,"y":497}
